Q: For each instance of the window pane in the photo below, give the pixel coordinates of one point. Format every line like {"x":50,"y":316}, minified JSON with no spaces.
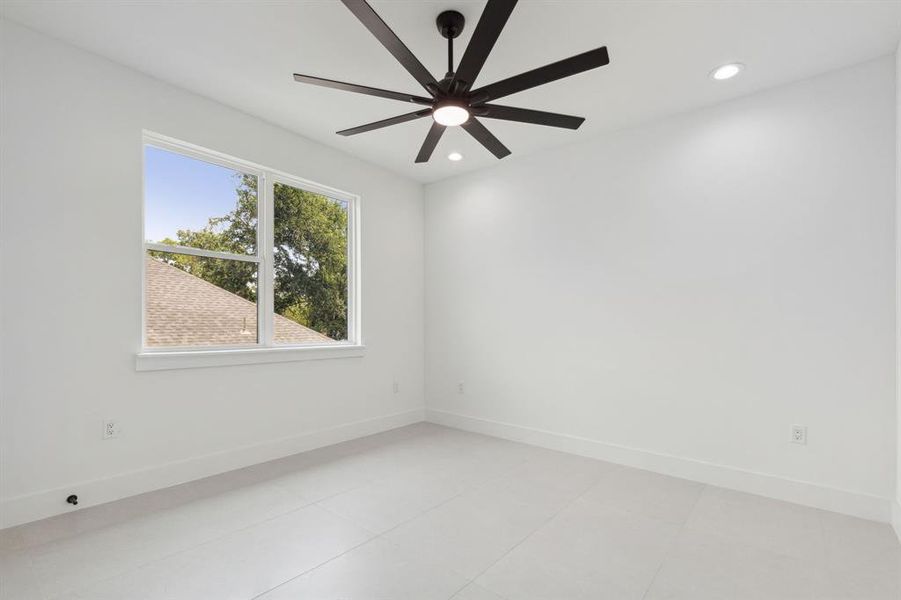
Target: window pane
{"x":189,"y":202}
{"x":199,"y":301}
{"x":310,"y":263}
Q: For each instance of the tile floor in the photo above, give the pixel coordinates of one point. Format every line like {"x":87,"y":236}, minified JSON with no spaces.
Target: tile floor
{"x":425,"y":512}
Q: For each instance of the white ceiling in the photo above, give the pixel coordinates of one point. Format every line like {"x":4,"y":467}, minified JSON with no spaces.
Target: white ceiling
{"x":243,"y":53}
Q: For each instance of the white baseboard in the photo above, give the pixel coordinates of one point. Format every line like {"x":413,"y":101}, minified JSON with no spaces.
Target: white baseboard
{"x":800,"y":492}
{"x":896,"y":517}
{"x":39,"y":505}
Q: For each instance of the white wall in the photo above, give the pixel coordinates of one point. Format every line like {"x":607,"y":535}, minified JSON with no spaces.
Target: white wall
{"x":896,"y":521}
{"x":677,"y":296}
{"x":71,"y":229}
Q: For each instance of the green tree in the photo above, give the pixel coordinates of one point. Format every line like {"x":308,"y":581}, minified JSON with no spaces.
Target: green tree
{"x":310,"y":254}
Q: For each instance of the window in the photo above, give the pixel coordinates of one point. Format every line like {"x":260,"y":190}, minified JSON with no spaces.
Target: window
{"x":241,"y":261}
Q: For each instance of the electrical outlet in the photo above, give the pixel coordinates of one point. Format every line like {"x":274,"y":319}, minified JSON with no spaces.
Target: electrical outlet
{"x":111,"y":429}
{"x":396,"y":386}
{"x":799,"y":434}
{"x":460,"y":388}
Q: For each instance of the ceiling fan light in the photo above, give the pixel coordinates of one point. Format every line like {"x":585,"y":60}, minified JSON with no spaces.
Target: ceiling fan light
{"x":450,"y":115}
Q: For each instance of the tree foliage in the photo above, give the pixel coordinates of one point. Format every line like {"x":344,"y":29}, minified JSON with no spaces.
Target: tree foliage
{"x":309,"y":252}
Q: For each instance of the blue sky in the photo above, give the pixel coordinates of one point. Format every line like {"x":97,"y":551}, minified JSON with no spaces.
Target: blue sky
{"x":183,"y":193}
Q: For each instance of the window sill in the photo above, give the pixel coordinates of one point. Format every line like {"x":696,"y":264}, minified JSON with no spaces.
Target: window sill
{"x":193,"y":359}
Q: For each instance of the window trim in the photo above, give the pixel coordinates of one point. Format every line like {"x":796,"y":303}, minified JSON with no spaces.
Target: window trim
{"x":265,"y":350}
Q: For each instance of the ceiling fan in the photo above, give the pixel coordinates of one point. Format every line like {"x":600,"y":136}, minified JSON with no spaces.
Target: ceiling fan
{"x":452,"y":101}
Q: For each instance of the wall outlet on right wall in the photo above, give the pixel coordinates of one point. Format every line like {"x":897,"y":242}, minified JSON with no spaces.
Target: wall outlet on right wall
{"x":111,"y":429}
{"x":799,"y":434}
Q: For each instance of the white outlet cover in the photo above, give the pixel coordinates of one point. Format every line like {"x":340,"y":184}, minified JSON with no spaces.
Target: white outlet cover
{"x":111,"y":429}
{"x":799,"y":434}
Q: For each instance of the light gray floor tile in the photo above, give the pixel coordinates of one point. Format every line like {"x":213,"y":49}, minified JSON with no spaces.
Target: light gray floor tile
{"x":554,"y":479}
{"x":376,"y":570}
{"x":386,"y":503}
{"x":319,"y":477}
{"x":18,"y":579}
{"x":74,"y":562}
{"x":429,"y":472}
{"x":863,"y":558}
{"x":240,"y":565}
{"x":588,"y":551}
{"x":648,"y":494}
{"x":474,"y":591}
{"x":472,"y":531}
{"x":708,"y":567}
{"x":772,"y":525}
{"x":12,"y":539}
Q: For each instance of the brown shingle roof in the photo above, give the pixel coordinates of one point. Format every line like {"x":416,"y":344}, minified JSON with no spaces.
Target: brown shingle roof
{"x":184,"y":310}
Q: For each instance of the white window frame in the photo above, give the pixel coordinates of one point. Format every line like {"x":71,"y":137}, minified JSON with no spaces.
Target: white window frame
{"x":265,"y":350}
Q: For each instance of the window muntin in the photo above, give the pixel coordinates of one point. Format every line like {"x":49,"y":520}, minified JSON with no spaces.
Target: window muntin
{"x":301,"y":284}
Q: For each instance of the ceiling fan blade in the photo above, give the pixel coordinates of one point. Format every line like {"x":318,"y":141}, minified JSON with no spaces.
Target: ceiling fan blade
{"x":431,"y":140}
{"x":552,"y":72}
{"x":362,"y":89}
{"x":485,"y":137}
{"x":386,"y":122}
{"x":527,"y":115}
{"x":491,"y":23}
{"x":373,"y":22}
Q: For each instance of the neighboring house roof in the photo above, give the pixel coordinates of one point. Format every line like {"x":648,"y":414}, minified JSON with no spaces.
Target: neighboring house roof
{"x":184,"y":310}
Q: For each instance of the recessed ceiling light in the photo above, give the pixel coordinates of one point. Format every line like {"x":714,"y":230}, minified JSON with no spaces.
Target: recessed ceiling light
{"x":455,"y":156}
{"x":726,"y":71}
